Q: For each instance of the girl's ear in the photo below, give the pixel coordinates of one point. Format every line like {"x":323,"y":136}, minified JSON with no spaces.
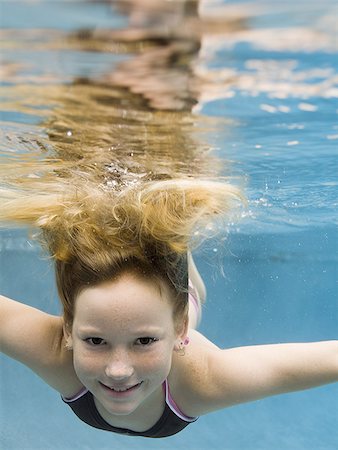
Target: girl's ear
{"x":68,"y":337}
{"x":182,"y":336}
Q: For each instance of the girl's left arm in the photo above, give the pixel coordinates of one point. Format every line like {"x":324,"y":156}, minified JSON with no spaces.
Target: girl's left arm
{"x":249,"y":373}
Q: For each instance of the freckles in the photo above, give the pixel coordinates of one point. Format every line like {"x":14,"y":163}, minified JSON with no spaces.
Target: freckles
{"x":157,"y":363}
{"x":85,"y":364}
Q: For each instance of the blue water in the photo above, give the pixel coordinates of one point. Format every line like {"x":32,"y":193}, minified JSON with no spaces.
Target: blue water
{"x":278,"y":283}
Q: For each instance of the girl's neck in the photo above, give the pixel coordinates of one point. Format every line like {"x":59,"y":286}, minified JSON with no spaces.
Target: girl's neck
{"x":143,"y":418}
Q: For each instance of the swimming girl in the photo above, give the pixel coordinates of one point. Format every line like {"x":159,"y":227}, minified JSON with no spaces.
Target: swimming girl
{"x":125,"y":354}
{"x":120,"y":225}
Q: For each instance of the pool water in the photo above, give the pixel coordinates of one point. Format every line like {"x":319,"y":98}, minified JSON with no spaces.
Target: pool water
{"x":263,"y":90}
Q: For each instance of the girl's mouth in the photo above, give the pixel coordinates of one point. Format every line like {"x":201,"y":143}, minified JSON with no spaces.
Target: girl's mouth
{"x":122,"y":390}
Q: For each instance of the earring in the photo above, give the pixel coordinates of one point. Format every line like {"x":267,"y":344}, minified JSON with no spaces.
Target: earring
{"x":181,"y":349}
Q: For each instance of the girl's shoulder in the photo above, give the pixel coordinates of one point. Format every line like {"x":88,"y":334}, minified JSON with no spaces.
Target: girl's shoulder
{"x":37,"y":340}
{"x":188,"y":377}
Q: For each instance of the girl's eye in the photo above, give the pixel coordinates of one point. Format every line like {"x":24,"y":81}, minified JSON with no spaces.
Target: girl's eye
{"x":146,"y":341}
{"x":95,"y":341}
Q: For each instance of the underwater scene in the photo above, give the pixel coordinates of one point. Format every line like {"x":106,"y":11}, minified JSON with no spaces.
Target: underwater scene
{"x":241,"y":91}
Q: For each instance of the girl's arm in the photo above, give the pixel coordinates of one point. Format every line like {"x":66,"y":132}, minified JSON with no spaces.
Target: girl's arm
{"x":36,"y":339}
{"x":228,"y":377}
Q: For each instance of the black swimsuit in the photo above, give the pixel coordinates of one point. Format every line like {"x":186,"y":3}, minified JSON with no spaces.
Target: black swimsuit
{"x":171,"y":422}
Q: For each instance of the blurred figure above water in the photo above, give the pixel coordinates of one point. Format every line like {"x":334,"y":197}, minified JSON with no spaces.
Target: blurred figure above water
{"x":134,"y":122}
{"x":166,"y":39}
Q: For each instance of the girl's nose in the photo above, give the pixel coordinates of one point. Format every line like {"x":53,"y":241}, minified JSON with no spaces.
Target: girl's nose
{"x":119,"y":366}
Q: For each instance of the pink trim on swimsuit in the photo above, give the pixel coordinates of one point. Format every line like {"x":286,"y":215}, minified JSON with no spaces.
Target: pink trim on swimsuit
{"x":75,"y":397}
{"x":173,"y":406}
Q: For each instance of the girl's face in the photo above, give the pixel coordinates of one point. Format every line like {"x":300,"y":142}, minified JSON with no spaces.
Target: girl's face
{"x":123,"y":337}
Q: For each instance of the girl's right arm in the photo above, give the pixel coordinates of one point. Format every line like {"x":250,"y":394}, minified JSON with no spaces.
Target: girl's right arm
{"x":36,"y":339}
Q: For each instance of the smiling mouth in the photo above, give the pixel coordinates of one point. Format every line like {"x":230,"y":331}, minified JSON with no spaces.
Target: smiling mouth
{"x":122,"y":389}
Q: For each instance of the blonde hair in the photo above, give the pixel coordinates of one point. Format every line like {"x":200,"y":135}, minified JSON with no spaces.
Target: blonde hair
{"x":115,"y":193}
{"x":76,"y":219}
{"x":95,"y":233}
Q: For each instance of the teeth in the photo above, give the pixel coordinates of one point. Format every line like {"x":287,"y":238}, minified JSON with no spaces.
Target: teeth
{"x":121,"y":389}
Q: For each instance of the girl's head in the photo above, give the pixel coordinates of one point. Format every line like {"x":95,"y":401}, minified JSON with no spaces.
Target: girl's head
{"x":121,"y":272}
{"x":123,"y":338}
{"x":125,"y":315}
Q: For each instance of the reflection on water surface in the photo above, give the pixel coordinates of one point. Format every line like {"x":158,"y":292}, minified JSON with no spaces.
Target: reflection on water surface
{"x":164,"y":89}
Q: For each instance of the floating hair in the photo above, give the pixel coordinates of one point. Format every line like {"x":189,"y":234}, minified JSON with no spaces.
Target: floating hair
{"x":87,"y":220}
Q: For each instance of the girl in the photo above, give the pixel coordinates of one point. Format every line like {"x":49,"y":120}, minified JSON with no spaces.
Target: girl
{"x":120,"y":223}
{"x":125,"y":355}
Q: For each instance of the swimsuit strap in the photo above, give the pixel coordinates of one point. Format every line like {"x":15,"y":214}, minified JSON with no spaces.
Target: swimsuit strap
{"x":173,"y":406}
{"x":83,"y":391}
